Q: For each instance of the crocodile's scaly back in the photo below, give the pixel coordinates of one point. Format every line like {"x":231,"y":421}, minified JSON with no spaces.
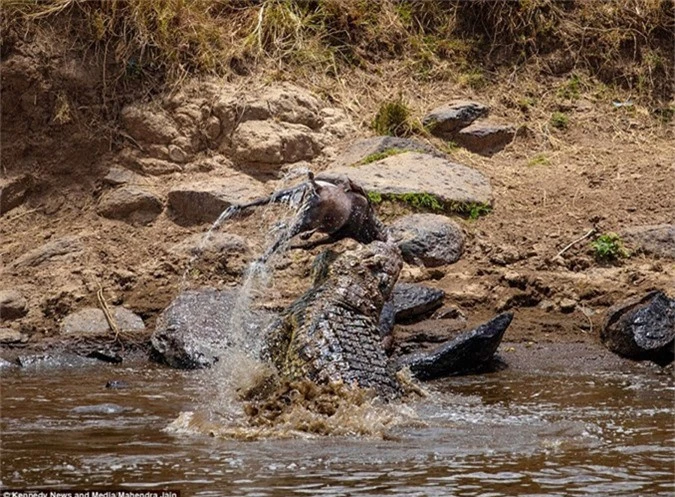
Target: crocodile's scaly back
{"x":331,"y":332}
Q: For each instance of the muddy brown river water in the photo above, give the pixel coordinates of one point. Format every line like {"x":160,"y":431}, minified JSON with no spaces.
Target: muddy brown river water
{"x":500,"y":434}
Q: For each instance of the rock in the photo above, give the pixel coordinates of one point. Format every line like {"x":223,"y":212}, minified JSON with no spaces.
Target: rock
{"x":447,"y":120}
{"x":193,"y":330}
{"x":485,"y":138}
{"x":91,"y":320}
{"x":658,"y":240}
{"x":204,"y":201}
{"x":274,"y":143}
{"x":292,"y":104}
{"x":641,"y":327}
{"x":469,"y":352}
{"x":13,"y":305}
{"x":66,"y":246}
{"x":449,"y":312}
{"x":215,"y":246}
{"x":148,"y":125}
{"x":177,"y":154}
{"x":8,"y":335}
{"x":158,"y":167}
{"x":368,"y":147}
{"x":13,"y":192}
{"x":412,"y":301}
{"x":567,"y":306}
{"x":431,"y":239}
{"x":65,"y":360}
{"x":130,"y":203}
{"x":416,"y":173}
{"x":121,"y":176}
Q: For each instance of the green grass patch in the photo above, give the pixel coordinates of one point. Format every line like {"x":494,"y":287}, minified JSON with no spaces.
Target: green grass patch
{"x":559,"y":120}
{"x":608,"y":247}
{"x":394,"y":118}
{"x":419,"y":201}
{"x":375,"y":197}
{"x":374,"y":157}
{"x":570,"y":89}
{"x":539,"y":160}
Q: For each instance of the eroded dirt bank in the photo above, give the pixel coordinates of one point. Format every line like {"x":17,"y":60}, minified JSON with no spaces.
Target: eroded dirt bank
{"x":101,"y":201}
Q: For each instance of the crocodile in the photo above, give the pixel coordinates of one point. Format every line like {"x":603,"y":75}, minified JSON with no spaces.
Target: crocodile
{"x":331,"y":332}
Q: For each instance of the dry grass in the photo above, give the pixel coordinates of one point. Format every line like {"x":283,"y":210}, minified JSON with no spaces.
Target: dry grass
{"x":626,"y":43}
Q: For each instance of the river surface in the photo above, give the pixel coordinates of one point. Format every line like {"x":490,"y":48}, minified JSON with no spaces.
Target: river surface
{"x":499,"y":434}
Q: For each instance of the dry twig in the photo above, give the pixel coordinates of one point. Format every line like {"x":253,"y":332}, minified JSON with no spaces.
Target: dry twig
{"x":571,"y":244}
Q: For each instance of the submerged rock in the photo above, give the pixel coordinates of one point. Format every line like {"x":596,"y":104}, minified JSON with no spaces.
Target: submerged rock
{"x":192,"y":331}
{"x":641,"y":328}
{"x":469,"y":352}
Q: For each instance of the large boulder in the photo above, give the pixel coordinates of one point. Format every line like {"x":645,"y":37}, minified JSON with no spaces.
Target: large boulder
{"x":13,"y":305}
{"x":445,"y":121}
{"x":370,"y":148}
{"x":91,"y":320}
{"x":274,"y":143}
{"x":429,"y":239}
{"x":641,"y":327}
{"x":194,"y":330}
{"x":658,"y":240}
{"x":204,"y":201}
{"x":13,"y":192}
{"x":130,"y":203}
{"x":415,"y":173}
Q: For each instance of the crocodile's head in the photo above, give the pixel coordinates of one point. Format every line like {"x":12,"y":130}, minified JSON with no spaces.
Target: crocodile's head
{"x":365,"y":277}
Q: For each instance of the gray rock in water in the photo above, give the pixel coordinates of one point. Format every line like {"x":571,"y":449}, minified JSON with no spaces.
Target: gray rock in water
{"x":13,"y":192}
{"x":658,"y":240}
{"x":130,"y":203}
{"x":369,"y":147}
{"x":485,"y":137}
{"x":192,"y":331}
{"x":469,"y":352}
{"x":92,"y":320}
{"x":430,"y":239}
{"x":204,"y":201}
{"x":641,"y":328}
{"x":415,"y":173}
{"x":447,"y":120}
{"x":13,"y":305}
{"x":413,"y":301}
{"x":56,"y":360}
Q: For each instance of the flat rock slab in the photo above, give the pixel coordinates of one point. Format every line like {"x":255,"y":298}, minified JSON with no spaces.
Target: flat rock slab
{"x":121,"y":176}
{"x":428,"y":239}
{"x":445,"y":121}
{"x":413,"y":172}
{"x":469,"y":352}
{"x":193,"y":331}
{"x":131,"y":204}
{"x":91,"y":320}
{"x":204,"y":201}
{"x":641,"y":328}
{"x":485,"y":138}
{"x":13,"y":192}
{"x":13,"y":305}
{"x":366,"y":148}
{"x":61,"y":247}
{"x":658,"y":240}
